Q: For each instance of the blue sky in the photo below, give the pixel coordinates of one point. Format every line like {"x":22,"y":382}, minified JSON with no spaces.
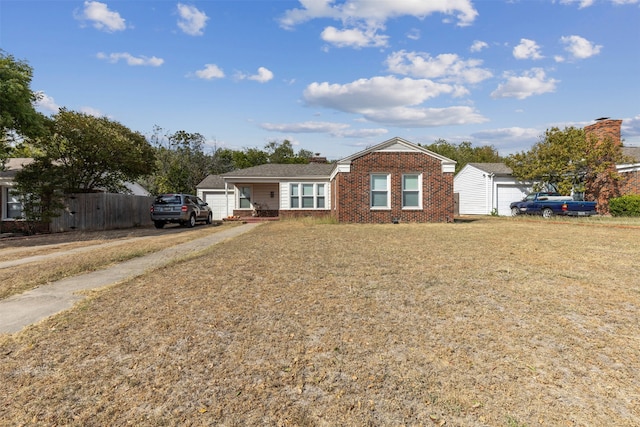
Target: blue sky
{"x":336,"y":76}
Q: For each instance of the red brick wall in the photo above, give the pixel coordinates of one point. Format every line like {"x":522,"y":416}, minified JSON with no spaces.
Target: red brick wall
{"x":304,"y":213}
{"x":604,"y":129}
{"x":351,"y":191}
{"x":631,"y":183}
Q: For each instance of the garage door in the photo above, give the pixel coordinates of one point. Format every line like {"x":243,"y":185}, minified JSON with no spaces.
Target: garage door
{"x":221,"y":205}
{"x":506,"y":195}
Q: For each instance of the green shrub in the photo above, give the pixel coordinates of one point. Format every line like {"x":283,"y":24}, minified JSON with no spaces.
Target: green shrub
{"x":625,"y":205}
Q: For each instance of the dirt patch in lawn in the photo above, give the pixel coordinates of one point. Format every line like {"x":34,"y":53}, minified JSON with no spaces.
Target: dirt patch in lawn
{"x":485,"y":323}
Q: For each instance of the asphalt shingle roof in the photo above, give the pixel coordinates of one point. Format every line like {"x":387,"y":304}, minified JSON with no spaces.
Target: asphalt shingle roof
{"x":494,"y":168}
{"x":273,"y":170}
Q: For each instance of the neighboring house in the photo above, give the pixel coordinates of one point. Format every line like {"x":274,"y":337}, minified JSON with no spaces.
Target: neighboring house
{"x":87,"y":211}
{"x":11,"y":205}
{"x":631,"y":171}
{"x":395,"y":181}
{"x":487,"y":188}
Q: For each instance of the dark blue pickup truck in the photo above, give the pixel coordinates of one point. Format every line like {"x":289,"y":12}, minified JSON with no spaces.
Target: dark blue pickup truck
{"x":549,"y":204}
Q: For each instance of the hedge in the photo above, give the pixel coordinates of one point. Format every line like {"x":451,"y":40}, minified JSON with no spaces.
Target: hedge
{"x":625,"y":205}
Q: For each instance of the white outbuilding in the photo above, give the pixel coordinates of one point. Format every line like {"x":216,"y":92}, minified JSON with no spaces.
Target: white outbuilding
{"x":488,"y":188}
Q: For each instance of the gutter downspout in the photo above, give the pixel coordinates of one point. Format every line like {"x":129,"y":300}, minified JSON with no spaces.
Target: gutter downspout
{"x":489,"y":192}
{"x":226,"y":198}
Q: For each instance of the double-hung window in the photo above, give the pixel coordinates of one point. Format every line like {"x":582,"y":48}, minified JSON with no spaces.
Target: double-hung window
{"x":14,"y":204}
{"x":244,"y":197}
{"x":307,"y":196}
{"x":412,"y":191}
{"x":380,"y":184}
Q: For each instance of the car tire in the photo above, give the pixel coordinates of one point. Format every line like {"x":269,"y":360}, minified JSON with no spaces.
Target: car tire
{"x":515,"y":211}
{"x":547,"y":213}
{"x":192,"y":221}
{"x":210,"y":218}
{"x":158,"y":224}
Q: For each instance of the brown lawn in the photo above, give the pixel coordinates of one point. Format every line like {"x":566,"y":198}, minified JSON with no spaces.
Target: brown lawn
{"x":495,"y":322}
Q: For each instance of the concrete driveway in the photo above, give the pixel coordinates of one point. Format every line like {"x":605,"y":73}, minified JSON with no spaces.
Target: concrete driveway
{"x":32,"y":306}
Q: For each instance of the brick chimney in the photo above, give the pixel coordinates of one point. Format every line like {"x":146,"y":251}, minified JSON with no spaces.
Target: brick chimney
{"x":604,"y":128}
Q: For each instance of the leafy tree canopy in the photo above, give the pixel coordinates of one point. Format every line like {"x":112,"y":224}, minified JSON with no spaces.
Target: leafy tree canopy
{"x":18,"y":117}
{"x":571,"y":161}
{"x":464,"y":153}
{"x":94,"y":153}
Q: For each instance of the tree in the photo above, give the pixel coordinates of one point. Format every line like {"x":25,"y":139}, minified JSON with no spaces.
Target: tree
{"x":283,"y":153}
{"x":557,"y":160}
{"x":571,"y":162}
{"x":465,"y":153}
{"x":40,"y":189}
{"x":90,"y":153}
{"x":18,"y":117}
{"x":181,"y":162}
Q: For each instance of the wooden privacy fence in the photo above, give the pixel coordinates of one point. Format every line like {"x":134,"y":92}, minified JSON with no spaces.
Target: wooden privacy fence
{"x":102,"y":211}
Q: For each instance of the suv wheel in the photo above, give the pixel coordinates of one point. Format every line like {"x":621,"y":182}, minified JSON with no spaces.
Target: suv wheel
{"x":192,"y":221}
{"x":158,"y":224}
{"x":210,"y":218}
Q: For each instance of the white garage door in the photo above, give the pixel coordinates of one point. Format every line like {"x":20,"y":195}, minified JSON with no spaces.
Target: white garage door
{"x":220,"y":204}
{"x":506,"y":195}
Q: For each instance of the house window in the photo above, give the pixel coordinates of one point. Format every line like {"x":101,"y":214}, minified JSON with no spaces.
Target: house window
{"x":244,"y":197}
{"x":411,"y":191}
{"x":307,"y":196}
{"x":380,"y":191}
{"x":13,"y":205}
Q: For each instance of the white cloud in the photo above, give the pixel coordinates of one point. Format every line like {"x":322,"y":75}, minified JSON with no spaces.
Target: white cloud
{"x":378,"y":11}
{"x":391,"y":101}
{"x":334,"y":129}
{"x":426,"y":117}
{"x":46,"y":103}
{"x":532,"y":82}
{"x":374,"y":93}
{"x":102,"y":18}
{"x":581,"y":3}
{"x":579,"y":47}
{"x":263,"y":76}
{"x":354,"y":37}
{"x":305,"y":127}
{"x":91,"y":111}
{"x":413,"y":34}
{"x":192,"y":21}
{"x":478,"y":45}
{"x":209,"y":72}
{"x":448,"y":67}
{"x":527,"y":49}
{"x":363,"y":19}
{"x":130,"y":59}
{"x":512,"y":139}
{"x":631,"y":128}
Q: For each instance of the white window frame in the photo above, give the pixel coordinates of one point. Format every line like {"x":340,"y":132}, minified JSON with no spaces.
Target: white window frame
{"x":405,"y":191}
{"x":318,"y":193}
{"x":241,"y":194}
{"x":373,"y":191}
{"x":9,"y":199}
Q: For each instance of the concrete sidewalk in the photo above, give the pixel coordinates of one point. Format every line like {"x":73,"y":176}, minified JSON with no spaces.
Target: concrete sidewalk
{"x":27,"y":308}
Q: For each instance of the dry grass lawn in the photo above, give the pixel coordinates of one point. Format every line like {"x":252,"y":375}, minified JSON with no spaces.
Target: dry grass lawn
{"x":495,"y":322}
{"x":74,"y":253}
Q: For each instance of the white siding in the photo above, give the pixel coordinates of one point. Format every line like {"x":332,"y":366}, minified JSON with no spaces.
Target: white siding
{"x":474,"y":189}
{"x":261,"y":194}
{"x":482,"y":193}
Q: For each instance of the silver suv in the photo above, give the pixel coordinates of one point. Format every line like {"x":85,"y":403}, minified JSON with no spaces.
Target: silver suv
{"x":184,"y":209}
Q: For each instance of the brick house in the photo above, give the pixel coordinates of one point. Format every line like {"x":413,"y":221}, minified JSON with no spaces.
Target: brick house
{"x":394,"y":181}
{"x":608,"y":128}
